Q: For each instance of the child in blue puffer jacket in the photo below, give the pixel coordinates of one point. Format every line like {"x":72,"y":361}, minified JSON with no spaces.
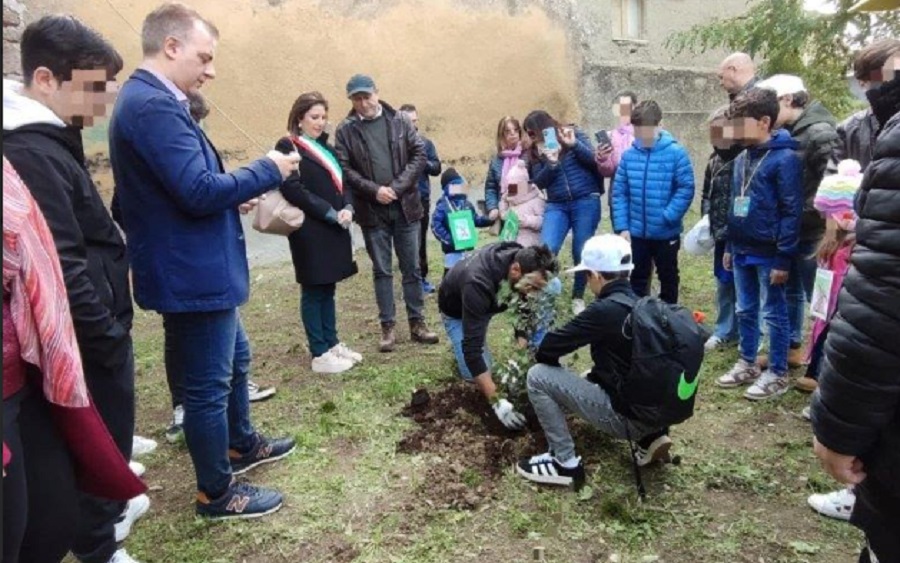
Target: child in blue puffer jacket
{"x":455,"y":198}
{"x":652,"y":191}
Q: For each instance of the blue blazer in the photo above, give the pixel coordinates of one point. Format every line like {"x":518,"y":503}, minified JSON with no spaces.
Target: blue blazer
{"x":179,"y":206}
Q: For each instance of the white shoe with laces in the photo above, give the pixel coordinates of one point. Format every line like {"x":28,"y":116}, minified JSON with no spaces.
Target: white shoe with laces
{"x":121,"y":556}
{"x":768,"y":386}
{"x":342,"y":351}
{"x":544,"y":468}
{"x":836,"y":504}
{"x":330,"y":363}
{"x":134,"y":510}
{"x":142,"y":446}
{"x":742,"y":373}
{"x":257,"y":392}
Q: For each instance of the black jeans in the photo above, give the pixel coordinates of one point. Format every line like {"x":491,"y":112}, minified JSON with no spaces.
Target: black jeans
{"x":662,"y":253}
{"x":423,"y":239}
{"x":877,"y":513}
{"x":113,"y":394}
{"x":381,"y":241}
{"x":40,"y":499}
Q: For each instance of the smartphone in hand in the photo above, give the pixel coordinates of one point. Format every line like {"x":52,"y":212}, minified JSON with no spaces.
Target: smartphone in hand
{"x":603,"y":138}
{"x":551,"y":143}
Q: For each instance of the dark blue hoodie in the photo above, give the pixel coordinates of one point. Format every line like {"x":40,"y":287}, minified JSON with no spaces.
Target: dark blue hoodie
{"x":773,"y":174}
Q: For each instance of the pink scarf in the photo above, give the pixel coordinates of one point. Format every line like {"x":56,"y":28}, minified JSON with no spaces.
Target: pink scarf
{"x":510,"y":157}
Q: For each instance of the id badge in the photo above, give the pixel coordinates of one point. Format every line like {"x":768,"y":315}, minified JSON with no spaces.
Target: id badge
{"x":741,"y":206}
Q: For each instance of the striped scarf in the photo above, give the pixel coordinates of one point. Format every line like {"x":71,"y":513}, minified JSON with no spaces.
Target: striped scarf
{"x":324,"y":157}
{"x":40,"y":309}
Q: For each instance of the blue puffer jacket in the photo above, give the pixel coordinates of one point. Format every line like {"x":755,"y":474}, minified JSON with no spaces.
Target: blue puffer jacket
{"x":575,"y":176}
{"x":653,"y":189}
{"x":771,"y":228}
{"x":440,"y":224}
{"x":179,"y":206}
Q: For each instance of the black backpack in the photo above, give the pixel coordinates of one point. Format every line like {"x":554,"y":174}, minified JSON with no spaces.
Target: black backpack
{"x":667,"y":350}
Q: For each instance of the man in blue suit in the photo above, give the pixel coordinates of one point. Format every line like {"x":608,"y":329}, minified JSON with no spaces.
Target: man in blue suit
{"x":188,"y":254}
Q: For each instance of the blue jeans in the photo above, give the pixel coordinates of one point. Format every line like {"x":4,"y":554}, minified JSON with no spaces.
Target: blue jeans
{"x":581,"y":216}
{"x":750,"y":282}
{"x":317,"y":310}
{"x":800,"y":288}
{"x":454,"y":328}
{"x":726,"y":301}
{"x":213,"y":353}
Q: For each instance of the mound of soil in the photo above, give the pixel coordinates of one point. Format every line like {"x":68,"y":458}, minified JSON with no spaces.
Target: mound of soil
{"x":472,"y":446}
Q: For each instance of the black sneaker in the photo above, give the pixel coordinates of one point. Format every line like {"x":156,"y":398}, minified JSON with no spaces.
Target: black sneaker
{"x":545,"y":469}
{"x":264,"y":451}
{"x":242,"y":500}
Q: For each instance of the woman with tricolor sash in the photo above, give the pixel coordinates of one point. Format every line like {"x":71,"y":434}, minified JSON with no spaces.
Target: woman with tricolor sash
{"x":321,"y":249}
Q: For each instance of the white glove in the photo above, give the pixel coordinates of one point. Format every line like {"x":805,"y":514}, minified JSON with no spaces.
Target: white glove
{"x":508,"y":415}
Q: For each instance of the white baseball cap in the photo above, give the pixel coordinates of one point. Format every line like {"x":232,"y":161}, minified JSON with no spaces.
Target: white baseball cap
{"x":605,"y":253}
{"x":783,"y":84}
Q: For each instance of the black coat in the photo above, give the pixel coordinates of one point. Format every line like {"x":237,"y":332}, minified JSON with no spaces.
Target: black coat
{"x":321,"y":249}
{"x":50,"y":160}
{"x":857,"y":408}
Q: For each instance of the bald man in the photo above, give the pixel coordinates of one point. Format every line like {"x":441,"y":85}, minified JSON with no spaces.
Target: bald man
{"x":737,"y":73}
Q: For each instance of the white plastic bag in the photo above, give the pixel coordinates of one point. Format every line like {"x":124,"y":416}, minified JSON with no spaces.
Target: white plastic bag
{"x":699,"y":241}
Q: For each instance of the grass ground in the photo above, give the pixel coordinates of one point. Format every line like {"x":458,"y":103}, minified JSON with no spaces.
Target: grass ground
{"x":738,"y":495}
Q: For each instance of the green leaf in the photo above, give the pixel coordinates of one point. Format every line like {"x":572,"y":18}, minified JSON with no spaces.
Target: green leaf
{"x":586,"y":493}
{"x":804,"y":548}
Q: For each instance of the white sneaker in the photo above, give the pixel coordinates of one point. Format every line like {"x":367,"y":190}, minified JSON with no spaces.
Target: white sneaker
{"x":258,"y":392}
{"x":330,"y":363}
{"x":134,"y":510}
{"x":742,"y":373}
{"x":837,"y":504}
{"x":714,"y":342}
{"x":768,"y":386}
{"x":342,"y":351}
{"x":121,"y":556}
{"x":175,"y":431}
{"x":142,"y":446}
{"x":658,"y":451}
{"x":137,"y":468}
{"x":578,"y":306}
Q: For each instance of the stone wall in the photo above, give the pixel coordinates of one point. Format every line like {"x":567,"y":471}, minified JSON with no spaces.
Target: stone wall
{"x":13,"y":26}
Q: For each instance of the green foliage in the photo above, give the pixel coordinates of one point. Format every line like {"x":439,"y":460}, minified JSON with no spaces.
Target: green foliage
{"x":789,"y":39}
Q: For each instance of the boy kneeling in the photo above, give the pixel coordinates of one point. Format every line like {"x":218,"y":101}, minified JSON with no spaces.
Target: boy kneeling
{"x":553,"y":390}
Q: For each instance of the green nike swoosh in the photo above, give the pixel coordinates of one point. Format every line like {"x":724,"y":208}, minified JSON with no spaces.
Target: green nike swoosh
{"x":686,"y":390}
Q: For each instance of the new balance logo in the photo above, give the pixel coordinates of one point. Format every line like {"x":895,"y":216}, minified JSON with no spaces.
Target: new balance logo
{"x":264,"y":452}
{"x":238,"y":504}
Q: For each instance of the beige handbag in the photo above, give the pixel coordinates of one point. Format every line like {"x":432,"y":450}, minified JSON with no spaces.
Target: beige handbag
{"x":275,"y":216}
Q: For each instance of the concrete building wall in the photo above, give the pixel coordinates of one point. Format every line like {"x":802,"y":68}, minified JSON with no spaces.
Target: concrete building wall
{"x":13,"y":26}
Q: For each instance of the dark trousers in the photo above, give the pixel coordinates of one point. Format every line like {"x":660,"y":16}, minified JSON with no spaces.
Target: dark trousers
{"x":317,"y":310}
{"x":381,"y":241}
{"x":113,"y":395}
{"x":174,"y":376}
{"x":214,"y":362}
{"x":877,"y":513}
{"x":664,"y":254}
{"x":40,"y":499}
{"x":423,"y":239}
{"x":818,"y":353}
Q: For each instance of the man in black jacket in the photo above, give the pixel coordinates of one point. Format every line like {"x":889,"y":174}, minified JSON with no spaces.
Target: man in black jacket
{"x":856,"y":411}
{"x":468,"y":299}
{"x":382,"y":157}
{"x":69,"y":72}
{"x":554,"y":390}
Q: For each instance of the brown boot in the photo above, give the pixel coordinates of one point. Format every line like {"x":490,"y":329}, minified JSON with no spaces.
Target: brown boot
{"x":420,"y":333}
{"x":806,"y":384}
{"x":388,"y":338}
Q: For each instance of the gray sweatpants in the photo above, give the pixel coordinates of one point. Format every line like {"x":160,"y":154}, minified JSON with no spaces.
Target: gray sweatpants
{"x":553,"y":391}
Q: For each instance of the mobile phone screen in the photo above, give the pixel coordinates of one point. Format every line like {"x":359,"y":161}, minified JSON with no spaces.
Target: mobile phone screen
{"x":551,"y":143}
{"x":603,"y":138}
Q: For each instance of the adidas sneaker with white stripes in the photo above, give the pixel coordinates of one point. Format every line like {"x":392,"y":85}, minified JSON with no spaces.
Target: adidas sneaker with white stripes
{"x":545,"y":469}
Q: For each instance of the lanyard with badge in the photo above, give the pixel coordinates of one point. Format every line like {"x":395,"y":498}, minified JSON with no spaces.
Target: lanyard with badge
{"x":742,"y":202}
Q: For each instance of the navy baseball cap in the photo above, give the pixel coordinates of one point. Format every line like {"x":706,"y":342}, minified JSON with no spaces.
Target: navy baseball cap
{"x":359,"y":83}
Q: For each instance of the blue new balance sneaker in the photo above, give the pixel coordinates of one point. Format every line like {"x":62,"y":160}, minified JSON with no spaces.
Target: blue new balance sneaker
{"x":263,"y":451}
{"x":241,"y":500}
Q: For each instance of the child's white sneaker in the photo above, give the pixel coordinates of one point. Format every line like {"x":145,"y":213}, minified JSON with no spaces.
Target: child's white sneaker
{"x":768,"y":386}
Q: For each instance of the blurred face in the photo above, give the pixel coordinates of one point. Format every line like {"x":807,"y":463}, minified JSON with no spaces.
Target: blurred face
{"x":622,"y":110}
{"x":647,"y":134}
{"x":365,"y":104}
{"x":728,"y":78}
{"x":750,"y":131}
{"x":595,"y":282}
{"x":192,"y":59}
{"x":529,"y":139}
{"x":314,"y":122}
{"x":414,"y":117}
{"x":511,"y":136}
{"x":79,"y":101}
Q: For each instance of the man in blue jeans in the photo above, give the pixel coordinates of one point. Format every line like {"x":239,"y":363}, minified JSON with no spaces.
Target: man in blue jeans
{"x":468,"y":299}
{"x":763,"y":227}
{"x":188,"y":255}
{"x":383,"y":157}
